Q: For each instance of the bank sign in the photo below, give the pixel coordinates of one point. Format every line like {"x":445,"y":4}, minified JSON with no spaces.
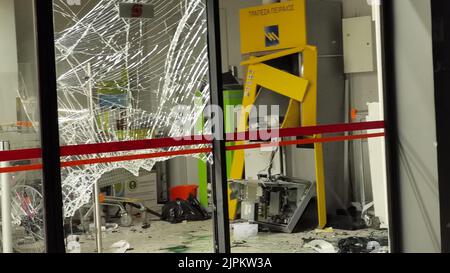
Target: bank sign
{"x":272,"y":27}
{"x":136,"y":10}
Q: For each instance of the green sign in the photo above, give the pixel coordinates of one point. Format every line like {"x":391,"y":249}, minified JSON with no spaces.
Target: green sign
{"x":132,"y":185}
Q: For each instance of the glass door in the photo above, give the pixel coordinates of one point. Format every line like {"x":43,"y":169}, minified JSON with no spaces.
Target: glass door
{"x":22,"y":222}
{"x":319,"y":184}
{"x":132,"y":78}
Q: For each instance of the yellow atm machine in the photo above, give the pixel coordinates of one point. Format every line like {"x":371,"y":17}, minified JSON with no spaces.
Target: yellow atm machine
{"x":279,"y":60}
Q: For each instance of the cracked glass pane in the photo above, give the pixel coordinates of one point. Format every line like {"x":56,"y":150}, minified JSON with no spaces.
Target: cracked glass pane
{"x":120,"y":78}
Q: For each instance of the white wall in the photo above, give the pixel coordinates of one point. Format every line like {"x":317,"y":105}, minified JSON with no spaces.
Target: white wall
{"x":8,"y":63}
{"x":417,"y":126}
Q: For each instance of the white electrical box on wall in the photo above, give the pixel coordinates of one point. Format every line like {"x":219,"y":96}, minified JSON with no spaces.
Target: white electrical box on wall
{"x":358,"y":45}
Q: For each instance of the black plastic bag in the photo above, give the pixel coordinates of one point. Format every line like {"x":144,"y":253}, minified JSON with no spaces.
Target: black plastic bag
{"x":181,"y":210}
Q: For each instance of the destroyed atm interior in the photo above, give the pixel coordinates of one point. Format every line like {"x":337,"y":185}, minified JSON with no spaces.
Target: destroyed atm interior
{"x":108,"y":108}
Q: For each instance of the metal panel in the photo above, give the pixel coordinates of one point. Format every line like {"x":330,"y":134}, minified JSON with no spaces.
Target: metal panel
{"x":325,"y":31}
{"x":441,"y":41}
{"x":358,"y":45}
{"x":390,"y":113}
{"x":331,"y":110}
{"x":219,"y":183}
{"x":324,"y":21}
{"x":54,"y":232}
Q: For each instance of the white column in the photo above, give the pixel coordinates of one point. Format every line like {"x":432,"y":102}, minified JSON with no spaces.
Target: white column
{"x":6,"y":205}
{"x":98,"y":218}
{"x":376,"y":15}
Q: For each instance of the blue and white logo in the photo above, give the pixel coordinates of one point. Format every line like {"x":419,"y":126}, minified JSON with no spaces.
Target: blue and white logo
{"x":272,"y":36}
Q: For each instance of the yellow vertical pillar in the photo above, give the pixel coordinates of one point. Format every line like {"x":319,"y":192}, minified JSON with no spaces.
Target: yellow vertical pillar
{"x":237,"y":168}
{"x":309,"y":118}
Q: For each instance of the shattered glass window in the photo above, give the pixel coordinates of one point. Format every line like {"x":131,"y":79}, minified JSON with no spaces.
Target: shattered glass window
{"x":119,"y":78}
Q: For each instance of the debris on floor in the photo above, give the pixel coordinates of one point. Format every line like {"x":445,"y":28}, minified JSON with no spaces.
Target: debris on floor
{"x":111,"y":227}
{"x":361,"y":245}
{"x":120,"y":247}
{"x":243,"y":231}
{"x":108,"y":227}
{"x":321,"y":246}
{"x":373,"y":247}
{"x":92,"y":227}
{"x":349,"y":219}
{"x":325,"y":230}
{"x":73,"y":244}
{"x":181,"y":211}
{"x":197,"y":237}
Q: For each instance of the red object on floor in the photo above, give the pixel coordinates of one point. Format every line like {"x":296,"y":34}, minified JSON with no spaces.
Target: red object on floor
{"x":183,"y":192}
